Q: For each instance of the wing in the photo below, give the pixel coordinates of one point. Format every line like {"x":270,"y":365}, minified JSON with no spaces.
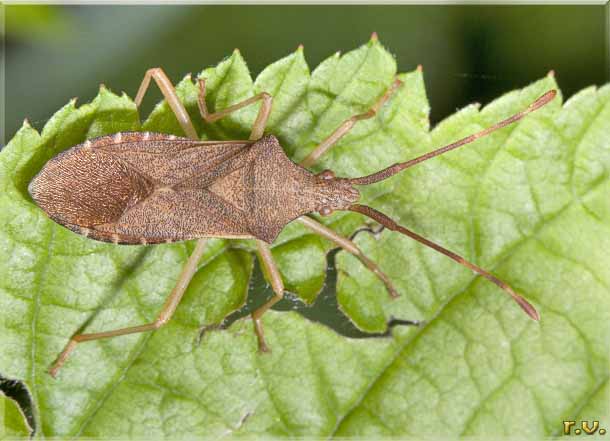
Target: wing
{"x":134,"y":187}
{"x":169,"y":215}
{"x":166,"y":159}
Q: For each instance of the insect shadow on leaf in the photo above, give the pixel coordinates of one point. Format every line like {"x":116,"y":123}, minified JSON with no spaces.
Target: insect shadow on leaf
{"x":325,"y":308}
{"x":147,"y":188}
{"x":17,"y":391}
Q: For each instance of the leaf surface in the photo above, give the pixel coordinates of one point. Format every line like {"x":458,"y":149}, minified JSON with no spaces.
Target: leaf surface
{"x":529,"y":203}
{"x":12,"y":421}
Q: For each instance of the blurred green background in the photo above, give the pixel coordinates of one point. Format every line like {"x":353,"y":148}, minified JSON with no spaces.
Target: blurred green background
{"x":469,"y":53}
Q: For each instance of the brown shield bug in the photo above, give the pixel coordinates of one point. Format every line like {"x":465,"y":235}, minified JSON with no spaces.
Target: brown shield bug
{"x":149,"y":188}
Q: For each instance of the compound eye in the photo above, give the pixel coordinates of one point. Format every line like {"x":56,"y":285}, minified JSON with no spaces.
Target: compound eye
{"x":327,"y":174}
{"x":326,"y":211}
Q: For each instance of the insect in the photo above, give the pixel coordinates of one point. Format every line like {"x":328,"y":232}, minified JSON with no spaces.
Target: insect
{"x":149,"y":188}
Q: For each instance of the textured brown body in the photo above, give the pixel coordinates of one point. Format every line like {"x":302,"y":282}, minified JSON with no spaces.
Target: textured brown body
{"x":140,"y":187}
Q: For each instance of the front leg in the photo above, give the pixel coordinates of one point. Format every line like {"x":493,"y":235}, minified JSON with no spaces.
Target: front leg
{"x":347,"y":125}
{"x":349,"y":246}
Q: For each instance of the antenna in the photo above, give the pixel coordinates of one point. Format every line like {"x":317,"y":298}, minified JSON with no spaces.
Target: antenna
{"x":393,"y":169}
{"x":391,"y":225}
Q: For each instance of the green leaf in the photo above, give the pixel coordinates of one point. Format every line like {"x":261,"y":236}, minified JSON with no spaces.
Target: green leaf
{"x":529,"y":203}
{"x":13,"y":424}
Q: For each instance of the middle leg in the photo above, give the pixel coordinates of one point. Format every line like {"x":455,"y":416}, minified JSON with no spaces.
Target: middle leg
{"x":261,"y":119}
{"x":270,"y":270}
{"x":272,"y":274}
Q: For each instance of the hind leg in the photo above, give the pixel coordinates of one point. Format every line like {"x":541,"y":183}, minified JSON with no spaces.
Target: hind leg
{"x":270,"y":267}
{"x":189,"y":269}
{"x":169,"y":92}
{"x":166,"y":313}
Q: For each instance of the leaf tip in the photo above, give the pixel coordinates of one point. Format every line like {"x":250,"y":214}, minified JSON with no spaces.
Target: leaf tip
{"x":26,"y":124}
{"x":551,"y":74}
{"x":374,"y":37}
{"x":420,"y":68}
{"x":237,"y":56}
{"x":300,"y":47}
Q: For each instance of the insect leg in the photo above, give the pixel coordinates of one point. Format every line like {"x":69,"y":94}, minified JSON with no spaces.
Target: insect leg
{"x":350,"y":247}
{"x":347,"y":125}
{"x":273,"y":274}
{"x":261,"y":120}
{"x":169,"y":92}
{"x":188,"y":271}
